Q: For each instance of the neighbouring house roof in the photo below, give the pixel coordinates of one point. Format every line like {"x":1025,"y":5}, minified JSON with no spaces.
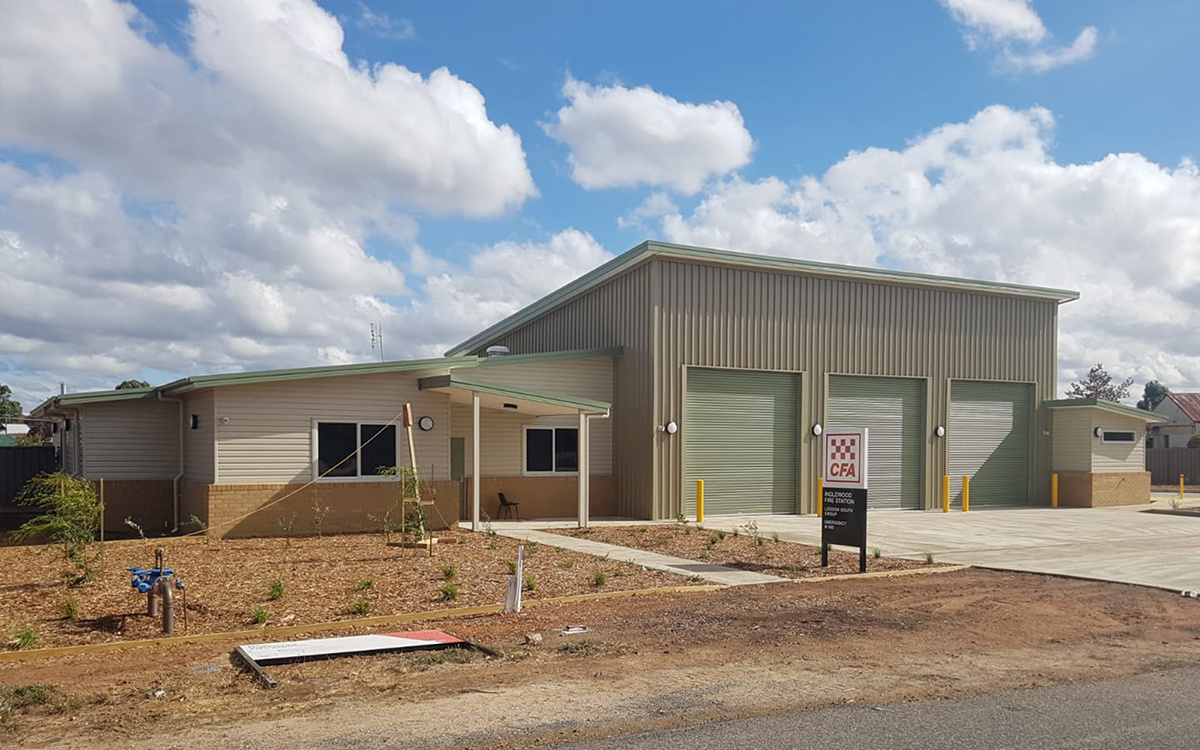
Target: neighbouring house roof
{"x":196,"y":382}
{"x":1188,"y":403}
{"x":651,"y":249}
{"x":1109,"y":406}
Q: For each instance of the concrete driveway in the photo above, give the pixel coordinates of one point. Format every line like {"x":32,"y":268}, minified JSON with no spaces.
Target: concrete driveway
{"x":1105,"y":544}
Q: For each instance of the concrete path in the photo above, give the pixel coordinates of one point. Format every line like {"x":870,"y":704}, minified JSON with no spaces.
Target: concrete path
{"x":653,"y":560}
{"x":1107,"y":544}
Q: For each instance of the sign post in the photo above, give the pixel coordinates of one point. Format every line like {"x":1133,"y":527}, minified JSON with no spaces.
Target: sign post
{"x":844,"y":494}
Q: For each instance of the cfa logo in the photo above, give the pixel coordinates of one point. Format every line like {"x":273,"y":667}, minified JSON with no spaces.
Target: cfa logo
{"x":843,"y":471}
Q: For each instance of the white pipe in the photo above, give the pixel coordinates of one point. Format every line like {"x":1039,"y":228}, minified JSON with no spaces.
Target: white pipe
{"x":177,"y":477}
{"x":475,"y":461}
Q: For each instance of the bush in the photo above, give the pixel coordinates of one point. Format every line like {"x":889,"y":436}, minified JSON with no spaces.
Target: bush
{"x":71,"y":519}
{"x":600,"y":578}
{"x":449,"y":591}
{"x":24,"y":637}
{"x":530,"y":582}
{"x":361,"y":607}
{"x":69,"y":609}
{"x":449,"y":572}
{"x":275,"y":590}
{"x":259,"y":615}
{"x":365,"y":584}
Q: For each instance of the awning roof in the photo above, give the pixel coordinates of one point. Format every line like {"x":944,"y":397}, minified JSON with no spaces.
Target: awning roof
{"x":536,"y":403}
{"x":1109,"y":406}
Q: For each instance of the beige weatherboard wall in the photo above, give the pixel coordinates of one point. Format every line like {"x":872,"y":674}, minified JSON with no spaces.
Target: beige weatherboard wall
{"x":1099,"y":452}
{"x":677,"y":309}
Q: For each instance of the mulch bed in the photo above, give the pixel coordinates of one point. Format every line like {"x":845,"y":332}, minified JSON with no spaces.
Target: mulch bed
{"x":743,"y":550}
{"x":341,"y":577}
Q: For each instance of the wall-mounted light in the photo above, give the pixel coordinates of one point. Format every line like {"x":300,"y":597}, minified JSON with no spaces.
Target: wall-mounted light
{"x":195,"y":421}
{"x":224,"y":420}
{"x":1098,"y":432}
{"x":425,"y":423}
{"x":670,"y":428}
{"x":940,"y":431}
{"x":817,"y":429}
{"x":510,"y":406}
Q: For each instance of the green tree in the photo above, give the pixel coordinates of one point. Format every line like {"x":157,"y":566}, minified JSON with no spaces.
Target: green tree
{"x":1099,"y":384}
{"x":9,"y":410}
{"x":1152,"y":395}
{"x":70,"y":518}
{"x":132,"y":384}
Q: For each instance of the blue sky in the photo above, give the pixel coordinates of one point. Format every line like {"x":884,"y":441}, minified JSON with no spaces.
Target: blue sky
{"x":203,"y":187}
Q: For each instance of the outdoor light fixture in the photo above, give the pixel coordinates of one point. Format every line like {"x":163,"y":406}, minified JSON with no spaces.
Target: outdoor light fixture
{"x":817,"y":429}
{"x":670,"y":428}
{"x":224,"y":420}
{"x":941,"y":431}
{"x":510,"y":406}
{"x":1098,"y":432}
{"x":425,"y":423}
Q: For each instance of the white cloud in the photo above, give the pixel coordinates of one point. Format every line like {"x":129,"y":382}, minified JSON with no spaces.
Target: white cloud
{"x":1017,"y":31}
{"x":985,"y":199}
{"x":384,"y":25}
{"x":219,"y":204}
{"x":622,"y":137}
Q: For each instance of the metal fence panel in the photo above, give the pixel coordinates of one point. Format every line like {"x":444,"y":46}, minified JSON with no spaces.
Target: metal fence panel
{"x":1166,"y":464}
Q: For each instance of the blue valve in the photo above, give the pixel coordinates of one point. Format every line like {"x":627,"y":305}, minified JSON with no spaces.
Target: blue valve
{"x":143,"y":579}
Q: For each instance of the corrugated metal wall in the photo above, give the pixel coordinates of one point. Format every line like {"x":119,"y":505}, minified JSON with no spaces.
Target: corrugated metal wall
{"x":621,"y":312}
{"x":670,"y":313}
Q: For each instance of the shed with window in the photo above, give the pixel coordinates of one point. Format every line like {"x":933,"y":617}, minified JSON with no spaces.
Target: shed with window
{"x":1099,"y":452}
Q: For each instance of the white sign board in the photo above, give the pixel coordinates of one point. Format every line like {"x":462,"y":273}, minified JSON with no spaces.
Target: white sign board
{"x":846,"y":458}
{"x":269,"y":653}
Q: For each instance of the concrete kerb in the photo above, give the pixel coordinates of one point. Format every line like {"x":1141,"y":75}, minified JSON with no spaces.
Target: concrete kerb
{"x":718,"y":574}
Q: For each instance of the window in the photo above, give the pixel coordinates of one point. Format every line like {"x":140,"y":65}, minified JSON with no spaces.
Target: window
{"x":551,"y":450}
{"x":1119,"y":437}
{"x":337,"y":440}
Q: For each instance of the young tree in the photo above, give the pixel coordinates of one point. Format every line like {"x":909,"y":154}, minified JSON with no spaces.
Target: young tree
{"x":1098,"y":384}
{"x":132,"y":384}
{"x":1152,"y":395}
{"x":9,"y":410}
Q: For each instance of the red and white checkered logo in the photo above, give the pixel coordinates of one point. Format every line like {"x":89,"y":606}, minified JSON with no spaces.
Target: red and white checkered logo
{"x":843,"y":448}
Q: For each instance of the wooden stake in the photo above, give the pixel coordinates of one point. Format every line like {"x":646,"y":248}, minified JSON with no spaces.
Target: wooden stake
{"x":102,"y":510}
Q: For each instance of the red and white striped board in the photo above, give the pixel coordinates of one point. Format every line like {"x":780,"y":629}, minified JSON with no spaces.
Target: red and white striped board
{"x":322,"y":648}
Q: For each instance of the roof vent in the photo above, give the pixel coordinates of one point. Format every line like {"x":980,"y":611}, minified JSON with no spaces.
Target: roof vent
{"x":497,"y":351}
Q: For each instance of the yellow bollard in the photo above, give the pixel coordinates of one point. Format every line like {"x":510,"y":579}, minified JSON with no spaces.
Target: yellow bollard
{"x":945,"y":493}
{"x":820,"y":496}
{"x":700,"y":501}
{"x":1180,"y":486}
{"x":1053,"y":490}
{"x":966,"y":494}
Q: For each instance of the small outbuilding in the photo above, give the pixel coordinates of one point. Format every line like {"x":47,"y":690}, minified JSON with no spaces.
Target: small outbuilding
{"x":1099,"y":452}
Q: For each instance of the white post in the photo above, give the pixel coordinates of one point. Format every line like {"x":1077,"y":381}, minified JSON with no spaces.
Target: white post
{"x":581,"y":463}
{"x":475,"y":461}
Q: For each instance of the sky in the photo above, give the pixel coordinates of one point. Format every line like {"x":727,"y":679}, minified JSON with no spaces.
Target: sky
{"x":219,"y":185}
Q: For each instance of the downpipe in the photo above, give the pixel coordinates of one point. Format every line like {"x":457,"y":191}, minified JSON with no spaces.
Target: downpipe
{"x":179,"y":476}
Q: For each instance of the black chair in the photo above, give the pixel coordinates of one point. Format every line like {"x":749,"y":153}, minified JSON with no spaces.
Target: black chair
{"x":509,"y":507}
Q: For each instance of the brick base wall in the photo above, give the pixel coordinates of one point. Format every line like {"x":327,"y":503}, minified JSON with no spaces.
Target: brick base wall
{"x":150,"y":503}
{"x":246,"y":510}
{"x":546,"y":497}
{"x":1103,"y":489}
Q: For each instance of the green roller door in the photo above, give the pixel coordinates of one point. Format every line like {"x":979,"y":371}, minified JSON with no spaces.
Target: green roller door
{"x":988,"y":438}
{"x":739,"y":435}
{"x":893,"y":410}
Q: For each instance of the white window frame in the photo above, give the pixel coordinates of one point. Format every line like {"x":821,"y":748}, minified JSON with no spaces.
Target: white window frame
{"x":553,"y":446}
{"x":359,"y":477}
{"x":1104,"y":437}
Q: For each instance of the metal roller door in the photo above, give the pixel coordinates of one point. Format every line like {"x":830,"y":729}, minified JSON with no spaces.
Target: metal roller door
{"x":989,"y":441}
{"x":893,"y":409}
{"x":739,"y":435}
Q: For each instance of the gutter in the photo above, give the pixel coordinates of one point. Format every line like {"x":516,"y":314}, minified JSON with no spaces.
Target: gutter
{"x":179,"y":476}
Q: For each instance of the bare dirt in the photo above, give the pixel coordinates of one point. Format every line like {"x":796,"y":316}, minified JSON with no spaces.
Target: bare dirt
{"x":746,"y":550}
{"x":323,"y":579}
{"x":647,"y":661}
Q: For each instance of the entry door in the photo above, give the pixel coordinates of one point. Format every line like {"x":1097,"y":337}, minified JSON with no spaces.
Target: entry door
{"x":739,"y":436}
{"x":893,"y":410}
{"x":989,"y":441}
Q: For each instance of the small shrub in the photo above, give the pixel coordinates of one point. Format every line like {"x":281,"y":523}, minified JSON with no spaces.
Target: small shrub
{"x":736,"y":532}
{"x":695,"y":579}
{"x":929,"y":558}
{"x":69,"y":609}
{"x":712,"y":541}
{"x":259,"y":615}
{"x":365,"y":584}
{"x":619,"y":573}
{"x":449,"y":572}
{"x":493,"y":544}
{"x":449,"y":591}
{"x":286,"y":523}
{"x":487,"y":526}
{"x":876,"y":553}
{"x":600,"y":578}
{"x":318,"y":519}
{"x":530,"y":582}
{"x":567,"y":564}
{"x":681,"y":519}
{"x":136,"y":528}
{"x":70,"y":519}
{"x":774,"y":536}
{"x":512,"y":567}
{"x":720,"y":533}
{"x":24,"y":637}
{"x":361,"y":607}
{"x":531,"y":547}
{"x":275,"y":590}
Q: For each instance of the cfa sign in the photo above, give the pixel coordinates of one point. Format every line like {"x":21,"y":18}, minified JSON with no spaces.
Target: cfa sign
{"x":846,"y":458}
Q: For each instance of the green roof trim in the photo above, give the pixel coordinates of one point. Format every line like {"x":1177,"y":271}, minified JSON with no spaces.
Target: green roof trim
{"x":652,"y":249}
{"x":1123,"y":410}
{"x":524,"y":359}
{"x":306,"y":373}
{"x":93,"y":397}
{"x":570,"y":402}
